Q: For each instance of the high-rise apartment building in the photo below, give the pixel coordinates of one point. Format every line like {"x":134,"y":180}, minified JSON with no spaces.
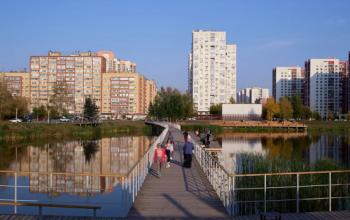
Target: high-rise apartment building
{"x":78,"y":76}
{"x":116,"y":89}
{"x":126,"y":93}
{"x":253,"y":95}
{"x":110,"y":60}
{"x":259,"y":95}
{"x":116,"y":65}
{"x":243,"y":96}
{"x":18,"y":83}
{"x":125,"y":66}
{"x":287,"y":81}
{"x":212,"y":70}
{"x":324,"y":86}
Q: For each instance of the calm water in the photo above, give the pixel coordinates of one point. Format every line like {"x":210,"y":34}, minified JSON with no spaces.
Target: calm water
{"x":88,"y":173}
{"x":330,"y":151}
{"x":245,"y":153}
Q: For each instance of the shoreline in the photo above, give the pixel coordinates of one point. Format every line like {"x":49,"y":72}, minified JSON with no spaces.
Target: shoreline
{"x":32,"y":131}
{"x":219,"y":127}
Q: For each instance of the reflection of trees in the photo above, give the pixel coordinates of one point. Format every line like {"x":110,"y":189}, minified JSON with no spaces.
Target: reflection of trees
{"x":286,"y":148}
{"x":90,"y":149}
{"x":60,"y":156}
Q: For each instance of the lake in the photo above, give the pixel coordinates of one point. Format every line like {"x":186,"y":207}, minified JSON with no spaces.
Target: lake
{"x":273,"y":153}
{"x":84,"y":172}
{"x":292,"y":148}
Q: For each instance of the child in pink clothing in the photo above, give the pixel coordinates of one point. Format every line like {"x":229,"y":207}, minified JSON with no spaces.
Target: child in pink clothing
{"x":159,"y":158}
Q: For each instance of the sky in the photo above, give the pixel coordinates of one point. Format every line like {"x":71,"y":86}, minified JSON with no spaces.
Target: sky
{"x":156,"y":34}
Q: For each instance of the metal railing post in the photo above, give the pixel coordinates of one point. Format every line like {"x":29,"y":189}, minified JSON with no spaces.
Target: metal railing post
{"x":297,"y":193}
{"x":264,"y":192}
{"x":330,"y":191}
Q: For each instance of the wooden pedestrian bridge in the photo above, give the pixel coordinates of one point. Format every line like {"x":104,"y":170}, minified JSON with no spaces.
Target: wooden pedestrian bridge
{"x":207,"y":191}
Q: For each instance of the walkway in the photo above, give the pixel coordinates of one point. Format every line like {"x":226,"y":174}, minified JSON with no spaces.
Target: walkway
{"x":179,"y":193}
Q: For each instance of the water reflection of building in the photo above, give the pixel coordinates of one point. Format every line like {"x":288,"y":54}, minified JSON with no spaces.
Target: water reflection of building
{"x":111,"y":156}
{"x":332,"y":147}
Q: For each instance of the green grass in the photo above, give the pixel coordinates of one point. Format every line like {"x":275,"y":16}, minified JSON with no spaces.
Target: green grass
{"x":32,"y":131}
{"x":313,"y":127}
{"x":328,"y":126}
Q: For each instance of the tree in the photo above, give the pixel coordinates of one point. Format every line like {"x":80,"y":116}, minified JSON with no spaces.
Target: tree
{"x":216,"y":109}
{"x":305,"y":112}
{"x":60,"y":100}
{"x":330,"y":116}
{"x":286,"y":109}
{"x":316,"y":115}
{"x":9,"y":104}
{"x":232,"y":100}
{"x":297,"y":106}
{"x":170,"y":104}
{"x":39,"y":112}
{"x":271,"y":108}
{"x":90,"y":109}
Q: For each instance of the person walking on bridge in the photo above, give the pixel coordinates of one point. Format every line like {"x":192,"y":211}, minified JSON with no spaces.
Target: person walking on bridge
{"x":169,"y":149}
{"x":159,"y":158}
{"x":187,"y":151}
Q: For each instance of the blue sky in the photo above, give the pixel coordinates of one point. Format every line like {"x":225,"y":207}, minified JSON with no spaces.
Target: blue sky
{"x":157,"y":34}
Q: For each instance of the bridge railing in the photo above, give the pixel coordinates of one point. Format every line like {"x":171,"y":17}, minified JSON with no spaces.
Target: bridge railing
{"x":220,"y":179}
{"x":249,"y":194}
{"x":133,"y":181}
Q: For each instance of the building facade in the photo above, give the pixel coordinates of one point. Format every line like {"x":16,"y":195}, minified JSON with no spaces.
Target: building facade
{"x":94,"y":75}
{"x":18,"y":83}
{"x":324,"y":86}
{"x":110,"y":60}
{"x":126,"y":93}
{"x":212,"y":70}
{"x":78,"y":76}
{"x":345,"y":69}
{"x":287,"y":81}
{"x":243,"y":96}
{"x":253,"y":95}
{"x":113,"y":64}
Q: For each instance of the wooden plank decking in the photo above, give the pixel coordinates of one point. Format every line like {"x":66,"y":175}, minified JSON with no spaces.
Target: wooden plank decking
{"x":178,"y":193}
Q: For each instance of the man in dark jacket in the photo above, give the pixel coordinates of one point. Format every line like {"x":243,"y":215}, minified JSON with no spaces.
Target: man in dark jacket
{"x":187,"y":151}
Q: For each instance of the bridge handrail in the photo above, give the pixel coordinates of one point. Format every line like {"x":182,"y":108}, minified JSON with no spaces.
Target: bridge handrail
{"x":133,"y":181}
{"x":40,"y":205}
{"x":224,"y":183}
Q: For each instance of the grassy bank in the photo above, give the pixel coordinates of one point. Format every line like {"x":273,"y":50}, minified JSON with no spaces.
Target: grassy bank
{"x":32,"y":131}
{"x":313,"y":127}
{"x":328,"y":126}
{"x":216,"y":129}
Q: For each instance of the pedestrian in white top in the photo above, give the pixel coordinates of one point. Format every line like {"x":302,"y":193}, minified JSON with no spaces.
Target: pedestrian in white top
{"x":169,"y":149}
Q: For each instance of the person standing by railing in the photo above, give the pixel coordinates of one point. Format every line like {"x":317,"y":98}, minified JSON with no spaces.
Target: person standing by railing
{"x":159,"y":158}
{"x":187,"y":151}
{"x":169,"y":149}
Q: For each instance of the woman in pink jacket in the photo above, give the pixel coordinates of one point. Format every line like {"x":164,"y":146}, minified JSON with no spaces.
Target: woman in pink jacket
{"x":159,"y":158}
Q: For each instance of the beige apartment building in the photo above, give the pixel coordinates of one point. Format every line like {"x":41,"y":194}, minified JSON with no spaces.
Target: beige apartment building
{"x":78,"y":76}
{"x":126,"y":93}
{"x":18,"y":83}
{"x":114,"y":85}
